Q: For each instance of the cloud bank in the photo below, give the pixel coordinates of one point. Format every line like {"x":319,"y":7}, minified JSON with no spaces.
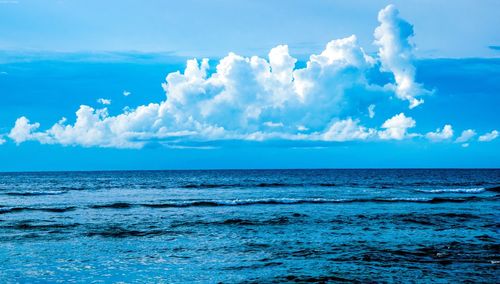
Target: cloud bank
{"x":257,"y":99}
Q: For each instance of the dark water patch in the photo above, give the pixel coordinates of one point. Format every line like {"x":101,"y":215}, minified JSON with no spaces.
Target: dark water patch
{"x":437,"y":200}
{"x":327,"y":184}
{"x":254,"y":266}
{"x":55,"y":210}
{"x":274,"y":184}
{"x":258,"y":246}
{"x":42,"y":227}
{"x":116,"y":205}
{"x":445,"y":254}
{"x":494,"y":189}
{"x":70,"y":188}
{"x":238,"y":222}
{"x":457,"y":215}
{"x":421,"y":221}
{"x":43,"y":209}
{"x":313,"y":279}
{"x":234,"y":222}
{"x":486,"y":238}
{"x":439,"y":221}
{"x":35,"y":193}
{"x":307,"y":252}
{"x":256,"y":185}
{"x":444,"y":183}
{"x":183,"y":204}
{"x":121,"y":232}
{"x":210,"y":185}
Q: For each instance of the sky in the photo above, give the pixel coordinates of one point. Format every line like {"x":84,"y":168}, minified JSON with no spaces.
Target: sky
{"x":93,"y":85}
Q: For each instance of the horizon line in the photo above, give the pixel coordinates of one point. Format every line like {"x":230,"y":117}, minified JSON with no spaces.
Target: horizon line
{"x":248,"y":169}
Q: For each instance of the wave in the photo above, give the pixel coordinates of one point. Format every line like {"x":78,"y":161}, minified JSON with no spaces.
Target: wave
{"x":256,"y":185}
{"x":460,"y":186}
{"x":287,"y":201}
{"x":42,"y":227}
{"x":43,"y":209}
{"x":34,"y":193}
{"x":117,"y":205}
{"x":453,"y":190}
{"x":249,"y":202}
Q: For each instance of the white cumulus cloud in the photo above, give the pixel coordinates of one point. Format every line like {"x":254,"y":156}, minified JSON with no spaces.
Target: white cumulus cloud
{"x":440,"y":134}
{"x":256,"y":98}
{"x":488,"y":136}
{"x":397,"y":127}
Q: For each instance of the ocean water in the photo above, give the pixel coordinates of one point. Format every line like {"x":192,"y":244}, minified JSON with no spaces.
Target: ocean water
{"x":250,"y":226}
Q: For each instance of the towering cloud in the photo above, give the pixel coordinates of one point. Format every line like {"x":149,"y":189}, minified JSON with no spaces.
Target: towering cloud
{"x":254,"y":98}
{"x":395,"y":53}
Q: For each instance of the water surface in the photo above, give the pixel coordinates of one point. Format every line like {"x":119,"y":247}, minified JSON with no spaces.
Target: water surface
{"x":250,"y":226}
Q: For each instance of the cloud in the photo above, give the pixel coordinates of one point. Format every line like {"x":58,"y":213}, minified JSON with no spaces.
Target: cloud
{"x":256,"y":99}
{"x":23,"y":131}
{"x":466,"y":136}
{"x":104,"y":101}
{"x":440,"y":135}
{"x":488,"y":136}
{"x":2,"y":140}
{"x":347,"y":130}
{"x":371,"y":111}
{"x":397,"y":127}
{"x":126,"y":93}
{"x":395,"y":53}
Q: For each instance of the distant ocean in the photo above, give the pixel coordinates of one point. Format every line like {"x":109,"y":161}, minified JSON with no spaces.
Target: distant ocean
{"x":250,"y":226}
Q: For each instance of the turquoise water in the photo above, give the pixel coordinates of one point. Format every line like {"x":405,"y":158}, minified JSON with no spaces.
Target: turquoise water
{"x":250,"y":226}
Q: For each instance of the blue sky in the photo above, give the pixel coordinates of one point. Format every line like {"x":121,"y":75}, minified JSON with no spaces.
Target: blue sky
{"x":401,"y":93}
{"x":214,"y":28}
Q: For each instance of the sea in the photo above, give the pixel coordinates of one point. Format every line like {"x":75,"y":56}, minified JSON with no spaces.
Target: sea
{"x":251,"y":226}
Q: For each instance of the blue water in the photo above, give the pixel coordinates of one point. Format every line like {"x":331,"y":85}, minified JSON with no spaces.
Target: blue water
{"x":250,"y":226}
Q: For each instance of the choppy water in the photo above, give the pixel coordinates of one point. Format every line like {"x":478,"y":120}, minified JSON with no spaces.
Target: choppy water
{"x":251,"y":226}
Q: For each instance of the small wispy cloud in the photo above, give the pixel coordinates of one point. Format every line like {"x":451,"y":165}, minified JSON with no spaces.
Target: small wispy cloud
{"x":487,"y":137}
{"x":466,"y":136}
{"x":371,"y":111}
{"x":104,"y":101}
